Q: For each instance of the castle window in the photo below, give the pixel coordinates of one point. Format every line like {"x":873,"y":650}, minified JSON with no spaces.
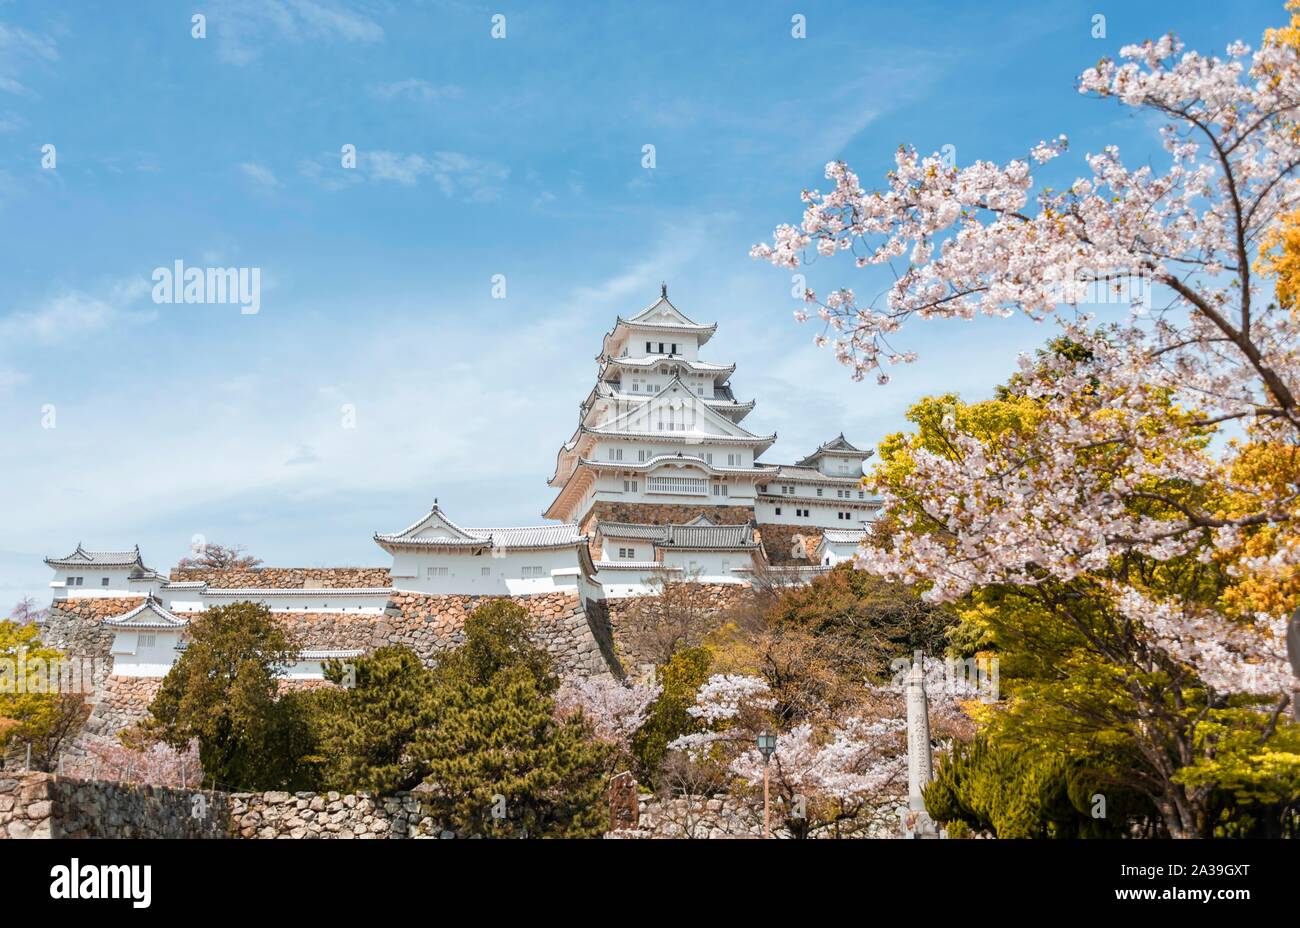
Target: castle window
{"x":778,"y":510}
{"x":627,"y":554}
{"x":485,"y":571}
{"x":532,"y":573}
{"x":103,"y":581}
{"x":674,"y":347}
{"x":431,"y":572}
{"x":648,"y":349}
{"x":145,"y":641}
{"x":819,"y":491}
{"x":661,"y":351}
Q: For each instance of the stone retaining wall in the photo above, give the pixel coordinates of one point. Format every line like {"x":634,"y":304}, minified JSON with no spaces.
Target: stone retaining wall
{"x":42,"y":805}
{"x":75,"y":626}
{"x":783,"y":548}
{"x":287,"y":578}
{"x":716,"y":817}
{"x":663,"y":514}
{"x":331,"y":815}
{"x":621,"y":614}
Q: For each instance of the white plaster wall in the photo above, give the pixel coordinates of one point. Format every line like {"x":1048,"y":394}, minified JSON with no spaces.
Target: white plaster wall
{"x":713,"y":566}
{"x":833,"y":554}
{"x":821,"y":513}
{"x":92,"y":583}
{"x":131,"y":660}
{"x":505,"y":574}
{"x":306,"y":601}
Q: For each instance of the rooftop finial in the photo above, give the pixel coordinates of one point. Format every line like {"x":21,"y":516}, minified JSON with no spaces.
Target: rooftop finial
{"x":663,"y":289}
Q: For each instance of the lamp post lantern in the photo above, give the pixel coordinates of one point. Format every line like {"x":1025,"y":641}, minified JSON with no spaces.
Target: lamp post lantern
{"x":766,"y":746}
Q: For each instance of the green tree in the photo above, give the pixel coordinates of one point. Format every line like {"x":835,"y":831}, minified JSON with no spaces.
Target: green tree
{"x":499,"y":762}
{"x":1015,"y":791}
{"x":864,"y":620}
{"x":365,"y":730}
{"x":223,"y":691}
{"x":1081,"y":681}
{"x":37,"y":710}
{"x":681,"y":677}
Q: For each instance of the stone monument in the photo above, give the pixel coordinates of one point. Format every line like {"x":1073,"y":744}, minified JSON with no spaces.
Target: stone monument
{"x":915,"y":820}
{"x":624,"y":809}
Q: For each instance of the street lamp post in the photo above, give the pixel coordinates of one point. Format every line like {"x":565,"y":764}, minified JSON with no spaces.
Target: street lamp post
{"x":1293,"y":655}
{"x":767,"y":746}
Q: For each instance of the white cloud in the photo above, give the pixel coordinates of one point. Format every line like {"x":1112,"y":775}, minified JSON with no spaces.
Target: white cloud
{"x":260,"y":175}
{"x":10,"y":378}
{"x":243,"y":28}
{"x":457,"y":175}
{"x":413,"y":88}
{"x":74,"y":312}
{"x":21,"y":50}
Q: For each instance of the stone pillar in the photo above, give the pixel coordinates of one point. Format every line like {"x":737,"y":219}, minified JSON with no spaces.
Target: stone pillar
{"x":919,"y":761}
{"x":915,"y":820}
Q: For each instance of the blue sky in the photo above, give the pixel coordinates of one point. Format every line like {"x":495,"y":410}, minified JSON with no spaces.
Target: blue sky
{"x":477,"y":156}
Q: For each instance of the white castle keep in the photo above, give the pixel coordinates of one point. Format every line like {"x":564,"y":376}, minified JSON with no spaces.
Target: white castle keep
{"x":658,"y":480}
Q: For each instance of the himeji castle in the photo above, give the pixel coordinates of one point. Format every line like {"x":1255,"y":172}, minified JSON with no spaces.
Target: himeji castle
{"x":660,"y":479}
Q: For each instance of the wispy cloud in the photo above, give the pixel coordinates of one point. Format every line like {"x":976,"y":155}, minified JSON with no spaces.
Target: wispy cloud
{"x":75,"y":313}
{"x":242,"y":28}
{"x":413,"y":88}
{"x":10,"y":378}
{"x":457,"y":175}
{"x":260,"y":175}
{"x":21,"y":50}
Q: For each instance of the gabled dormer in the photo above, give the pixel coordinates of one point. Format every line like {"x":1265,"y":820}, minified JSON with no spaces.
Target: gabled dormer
{"x":660,"y":322}
{"x":837,"y":458}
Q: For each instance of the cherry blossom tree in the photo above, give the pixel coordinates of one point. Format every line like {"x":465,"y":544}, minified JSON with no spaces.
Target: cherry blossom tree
{"x":1037,"y":507}
{"x":1116,"y":468}
{"x":155,"y":763}
{"x":615,"y":709}
{"x":845,"y":776}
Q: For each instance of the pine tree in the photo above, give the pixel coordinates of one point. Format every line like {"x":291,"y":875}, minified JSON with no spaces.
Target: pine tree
{"x":499,"y":762}
{"x":366,"y":730}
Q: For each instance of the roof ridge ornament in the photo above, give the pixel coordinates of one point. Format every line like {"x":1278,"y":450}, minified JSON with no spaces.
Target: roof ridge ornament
{"x":663,"y":289}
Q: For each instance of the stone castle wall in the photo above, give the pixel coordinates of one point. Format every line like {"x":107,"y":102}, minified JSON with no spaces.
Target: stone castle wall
{"x":330,"y":815}
{"x":75,"y":626}
{"x":624,"y":617}
{"x":781,"y":544}
{"x":699,"y":817}
{"x":286,"y":578}
{"x":663,"y":514}
{"x":42,"y":805}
